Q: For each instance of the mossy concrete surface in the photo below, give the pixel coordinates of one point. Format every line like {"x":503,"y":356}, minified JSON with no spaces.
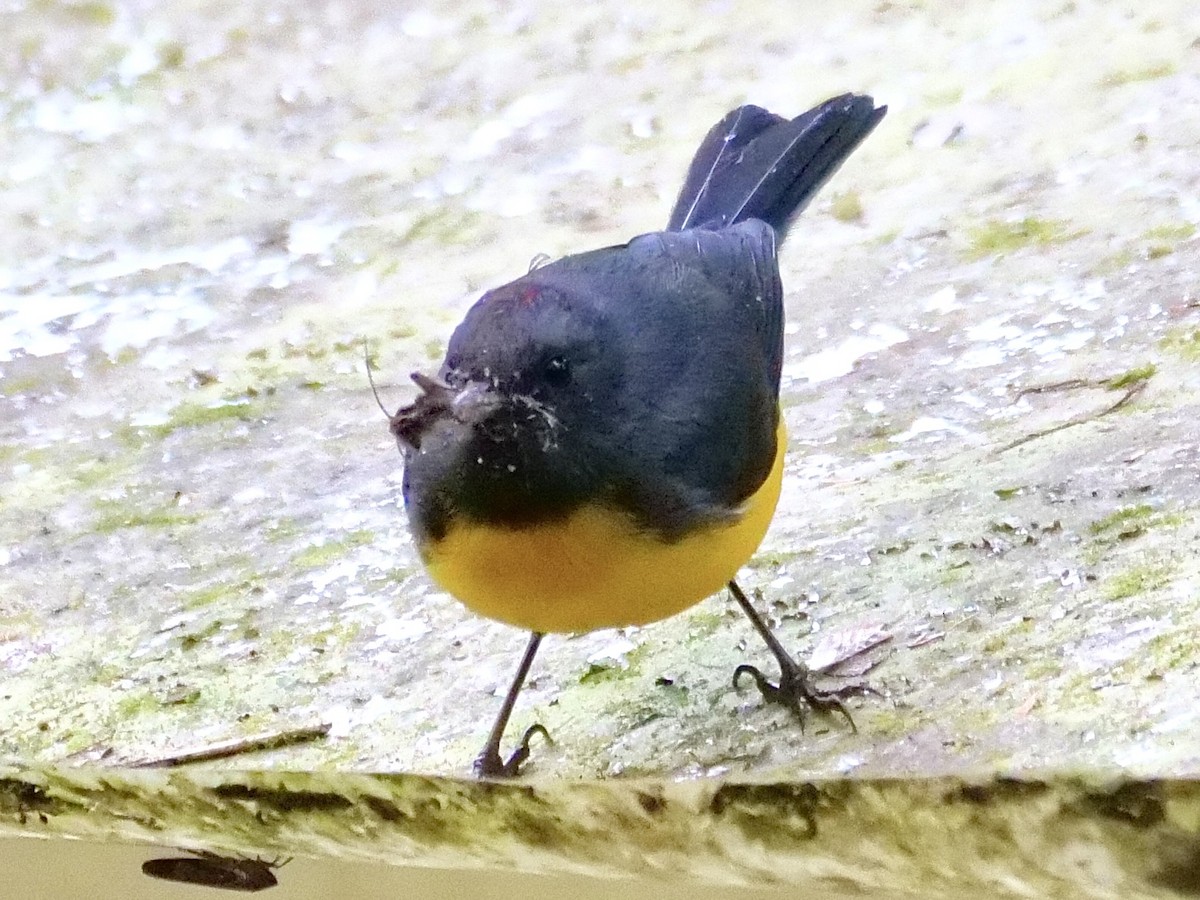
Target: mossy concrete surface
{"x":937,"y":837}
{"x":991,"y":388}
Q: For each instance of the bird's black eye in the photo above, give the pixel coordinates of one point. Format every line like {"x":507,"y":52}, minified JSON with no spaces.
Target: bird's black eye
{"x":557,"y":370}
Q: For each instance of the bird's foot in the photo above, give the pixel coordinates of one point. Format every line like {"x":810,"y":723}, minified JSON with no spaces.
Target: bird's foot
{"x":795,"y":691}
{"x":489,"y":763}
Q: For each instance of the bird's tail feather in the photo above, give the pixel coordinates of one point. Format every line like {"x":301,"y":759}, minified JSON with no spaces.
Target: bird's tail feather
{"x":754,"y":164}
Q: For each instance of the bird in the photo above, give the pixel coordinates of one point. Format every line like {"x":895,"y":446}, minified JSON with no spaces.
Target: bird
{"x":603,"y":445}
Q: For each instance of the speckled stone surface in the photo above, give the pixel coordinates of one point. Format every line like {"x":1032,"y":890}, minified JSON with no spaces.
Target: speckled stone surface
{"x":990,"y":386}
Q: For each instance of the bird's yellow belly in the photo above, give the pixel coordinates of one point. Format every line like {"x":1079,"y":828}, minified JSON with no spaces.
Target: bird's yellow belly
{"x":595,"y":569}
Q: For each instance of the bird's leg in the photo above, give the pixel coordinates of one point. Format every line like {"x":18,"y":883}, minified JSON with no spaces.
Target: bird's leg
{"x":795,"y":689}
{"x":489,"y":763}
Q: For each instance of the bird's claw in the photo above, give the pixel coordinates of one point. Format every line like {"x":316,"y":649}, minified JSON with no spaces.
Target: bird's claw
{"x":489,"y":763}
{"x":795,"y":691}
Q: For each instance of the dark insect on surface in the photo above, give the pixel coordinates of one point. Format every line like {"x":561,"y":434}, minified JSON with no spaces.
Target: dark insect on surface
{"x":229,"y":873}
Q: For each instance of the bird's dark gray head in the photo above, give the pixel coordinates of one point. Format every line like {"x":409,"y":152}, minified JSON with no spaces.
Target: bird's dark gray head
{"x":504,"y":430}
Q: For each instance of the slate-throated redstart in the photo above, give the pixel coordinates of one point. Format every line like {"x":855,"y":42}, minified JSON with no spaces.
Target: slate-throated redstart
{"x":603,"y":444}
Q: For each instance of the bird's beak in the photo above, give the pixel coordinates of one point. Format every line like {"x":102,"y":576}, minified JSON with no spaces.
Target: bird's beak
{"x":469,"y":405}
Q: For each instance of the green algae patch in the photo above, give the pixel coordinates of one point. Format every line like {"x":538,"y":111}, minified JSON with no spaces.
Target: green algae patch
{"x":847,"y":207}
{"x":137,"y":703}
{"x":201,"y":635}
{"x":1009,"y":492}
{"x":995,"y":237}
{"x":1177,"y":232}
{"x":198,"y":415}
{"x":18,"y":385}
{"x":628,"y":665}
{"x":318,"y":555}
{"x":1124,"y":520}
{"x":1171,"y":653}
{"x":1133,"y":521}
{"x":115,"y":515}
{"x":446,"y":225}
{"x":92,"y":13}
{"x":282,"y":528}
{"x":703,"y":624}
{"x":1149,"y":72}
{"x":1183,"y":342}
{"x":97,"y":472}
{"x":944,"y":95}
{"x":775,"y":559}
{"x":1137,"y":580}
{"x":1131,"y":377}
{"x":1125,"y":524}
{"x":210,"y":594}
{"x":1164,"y":240}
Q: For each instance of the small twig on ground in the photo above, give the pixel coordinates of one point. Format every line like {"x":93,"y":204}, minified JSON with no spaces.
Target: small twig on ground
{"x":1069,"y":385}
{"x":1131,"y":391}
{"x":271,"y":740}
